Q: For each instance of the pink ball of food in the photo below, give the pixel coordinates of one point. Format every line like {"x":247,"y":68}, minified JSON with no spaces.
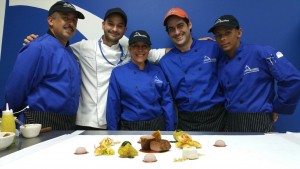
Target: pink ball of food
{"x":220,"y":143}
{"x":150,"y":158}
{"x":80,"y":150}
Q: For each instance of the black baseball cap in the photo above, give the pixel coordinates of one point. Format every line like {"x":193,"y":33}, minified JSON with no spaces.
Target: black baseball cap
{"x":225,"y":20}
{"x":64,"y":6}
{"x":116,"y":11}
{"x":139,"y":36}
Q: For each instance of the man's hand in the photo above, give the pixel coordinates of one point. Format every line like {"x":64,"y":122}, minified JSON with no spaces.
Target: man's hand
{"x":275,"y":116}
{"x":30,"y":38}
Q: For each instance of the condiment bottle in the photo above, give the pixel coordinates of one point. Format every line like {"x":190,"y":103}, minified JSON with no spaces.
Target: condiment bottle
{"x":8,"y":121}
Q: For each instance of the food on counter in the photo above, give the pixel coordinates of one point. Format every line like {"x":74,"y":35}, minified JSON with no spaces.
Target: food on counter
{"x":220,"y":143}
{"x":160,"y":145}
{"x":104,"y":147}
{"x":145,"y":141}
{"x":154,"y":142}
{"x":157,"y":135}
{"x":180,"y":159}
{"x":127,"y":151}
{"x":149,"y":158}
{"x":190,"y":153}
{"x":184,"y":140}
{"x":80,"y":150}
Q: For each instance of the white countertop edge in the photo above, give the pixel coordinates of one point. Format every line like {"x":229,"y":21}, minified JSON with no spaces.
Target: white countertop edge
{"x":37,"y":147}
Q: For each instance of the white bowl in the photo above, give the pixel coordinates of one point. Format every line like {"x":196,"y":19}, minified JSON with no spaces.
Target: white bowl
{"x":6,"y":139}
{"x":30,"y":130}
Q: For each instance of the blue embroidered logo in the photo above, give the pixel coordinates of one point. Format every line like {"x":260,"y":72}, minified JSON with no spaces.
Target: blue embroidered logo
{"x":208,"y":59}
{"x":157,"y":80}
{"x":249,"y":70}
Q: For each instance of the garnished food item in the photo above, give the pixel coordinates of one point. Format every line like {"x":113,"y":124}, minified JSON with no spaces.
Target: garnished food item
{"x":149,"y":158}
{"x":220,"y":143}
{"x":190,"y":153}
{"x":154,"y":142}
{"x":157,"y":135}
{"x":127,"y":151}
{"x":145,"y":141}
{"x":160,"y":145}
{"x":104,"y":147}
{"x":184,"y":140}
{"x":80,"y":150}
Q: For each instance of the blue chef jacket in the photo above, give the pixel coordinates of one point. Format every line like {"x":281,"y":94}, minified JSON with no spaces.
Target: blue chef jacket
{"x":193,"y":76}
{"x":139,"y":95}
{"x":46,"y":76}
{"x":248,"y":81}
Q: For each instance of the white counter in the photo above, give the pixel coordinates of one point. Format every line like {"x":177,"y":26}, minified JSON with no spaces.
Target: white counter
{"x":272,"y":151}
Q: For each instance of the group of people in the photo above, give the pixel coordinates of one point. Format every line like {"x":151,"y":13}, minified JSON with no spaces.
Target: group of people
{"x":198,"y":85}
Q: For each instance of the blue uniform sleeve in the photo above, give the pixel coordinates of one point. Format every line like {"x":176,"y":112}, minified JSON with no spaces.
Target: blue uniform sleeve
{"x":288,"y":81}
{"x":168,"y":105}
{"x":26,"y":75}
{"x":113,"y":108}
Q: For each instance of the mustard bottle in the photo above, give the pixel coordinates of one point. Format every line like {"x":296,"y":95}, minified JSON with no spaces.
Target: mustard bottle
{"x":8,"y":121}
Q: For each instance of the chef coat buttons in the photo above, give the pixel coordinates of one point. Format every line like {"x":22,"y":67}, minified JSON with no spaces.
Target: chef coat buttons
{"x":241,"y":79}
{"x":241,"y":101}
{"x":134,"y":72}
{"x":200,"y":68}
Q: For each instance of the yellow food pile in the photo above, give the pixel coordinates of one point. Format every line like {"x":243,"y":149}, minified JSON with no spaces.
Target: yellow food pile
{"x":104,"y":147}
{"x":184,"y":140}
{"x":127,"y":151}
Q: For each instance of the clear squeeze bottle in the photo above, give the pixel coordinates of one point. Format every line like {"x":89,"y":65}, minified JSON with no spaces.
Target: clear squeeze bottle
{"x":8,"y":120}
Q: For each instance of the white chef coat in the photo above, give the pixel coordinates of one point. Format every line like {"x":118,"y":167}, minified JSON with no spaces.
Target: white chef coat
{"x":95,"y":73}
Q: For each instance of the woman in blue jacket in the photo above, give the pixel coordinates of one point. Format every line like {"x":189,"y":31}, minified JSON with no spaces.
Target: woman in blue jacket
{"x":139,"y":97}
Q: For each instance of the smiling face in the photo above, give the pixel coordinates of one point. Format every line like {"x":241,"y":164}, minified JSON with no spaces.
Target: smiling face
{"x":139,"y":52}
{"x":180,"y":32}
{"x":63,"y":25}
{"x":114,"y":28}
{"x":228,"y":39}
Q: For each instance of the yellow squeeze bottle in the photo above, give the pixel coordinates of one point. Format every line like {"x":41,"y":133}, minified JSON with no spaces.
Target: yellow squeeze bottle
{"x":8,"y":121}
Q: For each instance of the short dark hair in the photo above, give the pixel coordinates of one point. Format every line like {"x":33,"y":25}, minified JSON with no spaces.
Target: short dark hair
{"x":186,"y":20}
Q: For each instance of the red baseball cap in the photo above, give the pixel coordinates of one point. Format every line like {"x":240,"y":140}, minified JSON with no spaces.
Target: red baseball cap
{"x":176,"y":12}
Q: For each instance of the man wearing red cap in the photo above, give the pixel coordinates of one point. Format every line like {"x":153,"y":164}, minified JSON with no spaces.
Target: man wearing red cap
{"x":191,"y":69}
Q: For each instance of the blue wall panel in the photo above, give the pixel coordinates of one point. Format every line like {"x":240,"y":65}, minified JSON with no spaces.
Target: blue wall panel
{"x":276,"y":23}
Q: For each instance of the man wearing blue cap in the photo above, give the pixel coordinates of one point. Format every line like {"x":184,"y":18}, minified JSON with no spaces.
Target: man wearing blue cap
{"x":46,"y":75}
{"x":247,"y":74}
